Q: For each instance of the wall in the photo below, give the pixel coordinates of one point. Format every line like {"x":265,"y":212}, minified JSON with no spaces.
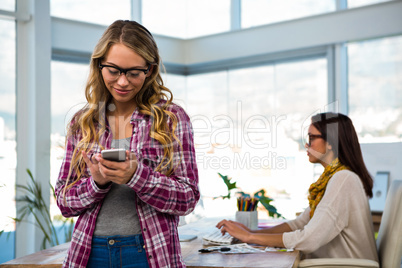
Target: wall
{"x":384,"y":157}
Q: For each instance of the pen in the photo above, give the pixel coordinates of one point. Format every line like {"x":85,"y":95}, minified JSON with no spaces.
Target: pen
{"x":206,"y":250}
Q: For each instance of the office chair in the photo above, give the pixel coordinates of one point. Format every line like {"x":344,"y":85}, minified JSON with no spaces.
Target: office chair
{"x":389,"y":239}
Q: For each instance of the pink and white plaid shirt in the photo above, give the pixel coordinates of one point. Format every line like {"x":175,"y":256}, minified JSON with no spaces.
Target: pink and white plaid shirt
{"x":160,"y":199}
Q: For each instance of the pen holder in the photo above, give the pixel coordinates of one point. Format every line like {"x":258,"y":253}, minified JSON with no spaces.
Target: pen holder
{"x":248,"y":218}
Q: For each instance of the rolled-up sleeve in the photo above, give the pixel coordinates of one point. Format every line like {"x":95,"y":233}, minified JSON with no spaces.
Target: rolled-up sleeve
{"x":82,"y":195}
{"x":300,"y":221}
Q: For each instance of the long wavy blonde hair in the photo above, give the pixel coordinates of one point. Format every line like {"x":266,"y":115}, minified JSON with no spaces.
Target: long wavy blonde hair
{"x":89,"y":122}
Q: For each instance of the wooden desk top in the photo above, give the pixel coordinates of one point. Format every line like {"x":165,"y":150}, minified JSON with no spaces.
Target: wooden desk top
{"x":49,"y":258}
{"x":193,"y":259}
{"x":53,"y":257}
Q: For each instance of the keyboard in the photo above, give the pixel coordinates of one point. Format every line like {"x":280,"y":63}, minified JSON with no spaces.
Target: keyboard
{"x":216,"y":238}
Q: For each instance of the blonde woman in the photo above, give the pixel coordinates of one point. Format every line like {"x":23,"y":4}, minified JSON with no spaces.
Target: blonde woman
{"x":128,"y":211}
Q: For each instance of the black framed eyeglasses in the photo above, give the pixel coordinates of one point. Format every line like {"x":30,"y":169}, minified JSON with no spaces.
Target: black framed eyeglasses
{"x":114,"y":72}
{"x":311,"y":137}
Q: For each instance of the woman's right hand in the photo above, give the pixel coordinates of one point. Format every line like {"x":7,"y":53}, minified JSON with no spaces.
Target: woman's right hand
{"x":93,"y":166}
{"x":235,"y":229}
{"x":236,"y":223}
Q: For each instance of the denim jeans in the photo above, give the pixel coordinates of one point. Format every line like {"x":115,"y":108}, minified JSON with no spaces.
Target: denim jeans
{"x":118,"y":251}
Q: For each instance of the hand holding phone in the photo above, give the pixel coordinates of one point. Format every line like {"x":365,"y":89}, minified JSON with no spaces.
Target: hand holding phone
{"x":118,"y":155}
{"x":119,"y":173}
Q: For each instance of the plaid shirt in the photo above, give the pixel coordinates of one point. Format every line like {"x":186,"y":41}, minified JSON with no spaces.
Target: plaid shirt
{"x":160,"y":199}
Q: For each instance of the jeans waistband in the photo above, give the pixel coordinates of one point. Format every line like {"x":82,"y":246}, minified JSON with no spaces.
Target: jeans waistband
{"x":118,"y":240}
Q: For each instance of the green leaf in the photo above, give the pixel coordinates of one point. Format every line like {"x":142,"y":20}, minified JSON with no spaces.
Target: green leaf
{"x":227,"y":182}
{"x":229,"y":185}
{"x":265,"y":201}
{"x":243,"y":194}
{"x":32,"y":204}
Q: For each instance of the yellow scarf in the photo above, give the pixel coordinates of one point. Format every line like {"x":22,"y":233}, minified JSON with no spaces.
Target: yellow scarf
{"x":317,"y":189}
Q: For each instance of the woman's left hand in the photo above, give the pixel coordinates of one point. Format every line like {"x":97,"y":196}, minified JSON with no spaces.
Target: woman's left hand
{"x":235,"y":229}
{"x":118,"y":172}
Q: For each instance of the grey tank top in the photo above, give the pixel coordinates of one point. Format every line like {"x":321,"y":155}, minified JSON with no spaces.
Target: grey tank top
{"x":118,"y":214}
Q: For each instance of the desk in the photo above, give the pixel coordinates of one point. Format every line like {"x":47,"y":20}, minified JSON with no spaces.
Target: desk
{"x":53,"y":257}
{"x":49,"y":258}
{"x":193,"y":259}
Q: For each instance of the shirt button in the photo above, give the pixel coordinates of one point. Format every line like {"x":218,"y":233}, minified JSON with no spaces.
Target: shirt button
{"x":150,"y":257}
{"x":111,"y":242}
{"x":145,"y":229}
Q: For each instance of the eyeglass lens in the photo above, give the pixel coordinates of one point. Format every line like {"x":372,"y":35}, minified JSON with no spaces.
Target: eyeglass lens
{"x":114,"y":73}
{"x":310,"y":138}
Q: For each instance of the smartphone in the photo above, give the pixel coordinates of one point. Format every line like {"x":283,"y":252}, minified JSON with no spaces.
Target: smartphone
{"x":118,"y":155}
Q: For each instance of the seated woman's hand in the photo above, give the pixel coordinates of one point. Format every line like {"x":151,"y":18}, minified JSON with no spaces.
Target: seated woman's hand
{"x":235,"y":229}
{"x":118,"y":172}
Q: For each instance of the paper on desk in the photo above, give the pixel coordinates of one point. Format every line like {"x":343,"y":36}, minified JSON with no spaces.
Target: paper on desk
{"x":279,"y":249}
{"x":238,"y":249}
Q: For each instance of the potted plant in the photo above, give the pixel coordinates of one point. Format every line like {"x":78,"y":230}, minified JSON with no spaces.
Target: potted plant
{"x":33,"y":204}
{"x":260,"y":195}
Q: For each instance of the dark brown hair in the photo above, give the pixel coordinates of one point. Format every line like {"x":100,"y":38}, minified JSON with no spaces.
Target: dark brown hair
{"x":338,"y":130}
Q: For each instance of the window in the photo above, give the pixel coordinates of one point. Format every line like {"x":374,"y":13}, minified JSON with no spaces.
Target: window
{"x":375,"y":89}
{"x":186,"y":19}
{"x":207,"y":106}
{"x":259,"y":12}
{"x":8,"y":5}
{"x":8,"y":156}
{"x":67,"y":97}
{"x":94,"y":11}
{"x":177,"y":85}
{"x":248,"y":125}
{"x":358,"y":3}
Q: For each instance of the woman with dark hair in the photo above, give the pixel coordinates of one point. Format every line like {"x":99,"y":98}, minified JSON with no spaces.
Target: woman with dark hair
{"x":337,"y":223}
{"x":128,"y":211}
